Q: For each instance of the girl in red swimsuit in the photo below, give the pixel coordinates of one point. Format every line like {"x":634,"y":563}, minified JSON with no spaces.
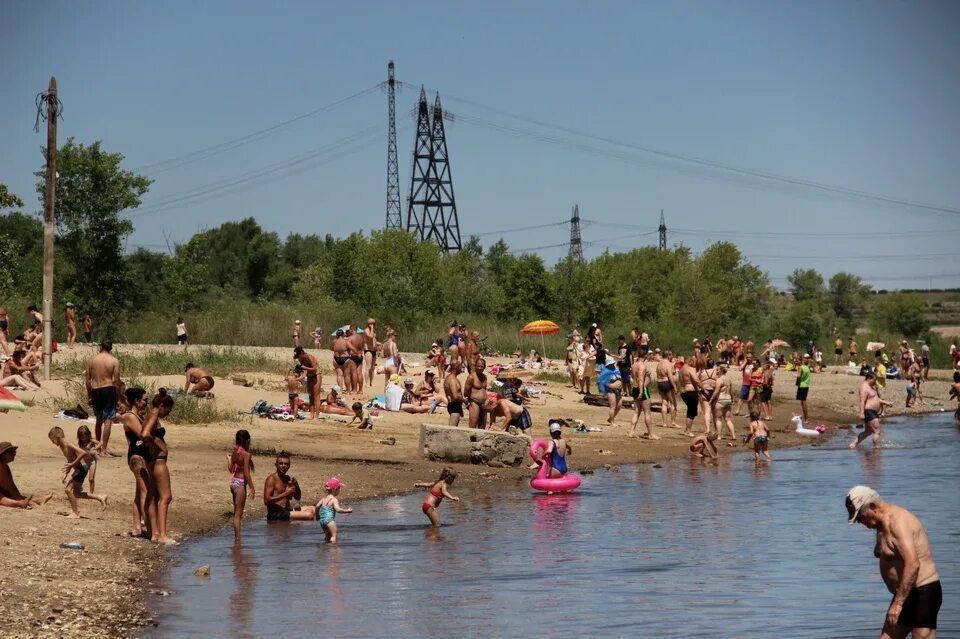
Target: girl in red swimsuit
{"x":438,"y":490}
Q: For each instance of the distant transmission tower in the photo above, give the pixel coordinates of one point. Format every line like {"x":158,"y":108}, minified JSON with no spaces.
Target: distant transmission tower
{"x":576,"y":243}
{"x":394,"y":213}
{"x":663,"y":232}
{"x":432,"y":207}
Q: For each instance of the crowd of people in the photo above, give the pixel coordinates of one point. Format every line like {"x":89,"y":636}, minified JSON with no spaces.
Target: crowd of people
{"x":700,"y":384}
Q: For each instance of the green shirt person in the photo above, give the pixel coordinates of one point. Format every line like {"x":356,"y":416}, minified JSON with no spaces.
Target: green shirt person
{"x":803,"y":384}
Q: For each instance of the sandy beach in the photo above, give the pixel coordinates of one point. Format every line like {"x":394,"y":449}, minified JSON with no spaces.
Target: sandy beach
{"x":47,"y":591}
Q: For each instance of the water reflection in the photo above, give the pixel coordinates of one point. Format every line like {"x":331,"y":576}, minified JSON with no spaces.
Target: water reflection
{"x":241,"y":601}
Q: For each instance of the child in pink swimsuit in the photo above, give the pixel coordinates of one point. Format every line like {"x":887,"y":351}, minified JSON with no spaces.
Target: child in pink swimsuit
{"x":438,"y":490}
{"x":240,"y":465}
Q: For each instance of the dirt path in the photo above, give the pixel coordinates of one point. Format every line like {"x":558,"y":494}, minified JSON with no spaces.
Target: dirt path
{"x":46,"y":591}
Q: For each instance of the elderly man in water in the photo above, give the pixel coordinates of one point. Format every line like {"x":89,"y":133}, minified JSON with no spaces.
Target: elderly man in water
{"x":906,"y":564}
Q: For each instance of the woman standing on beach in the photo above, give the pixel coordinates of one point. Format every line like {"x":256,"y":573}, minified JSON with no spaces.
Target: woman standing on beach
{"x":240,"y":465}
{"x":138,"y":458}
{"x":154,"y":435}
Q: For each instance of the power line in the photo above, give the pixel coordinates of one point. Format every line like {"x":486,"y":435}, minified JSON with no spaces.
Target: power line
{"x":270,"y":173}
{"x":521,"y":228}
{"x":215,"y":149}
{"x":774,"y":177}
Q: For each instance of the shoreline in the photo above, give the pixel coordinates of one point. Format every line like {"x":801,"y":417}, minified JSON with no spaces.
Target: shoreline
{"x":104,"y":588}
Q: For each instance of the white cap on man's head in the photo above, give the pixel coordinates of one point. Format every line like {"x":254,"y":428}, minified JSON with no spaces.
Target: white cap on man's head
{"x":555,"y":427}
{"x":858,"y":498}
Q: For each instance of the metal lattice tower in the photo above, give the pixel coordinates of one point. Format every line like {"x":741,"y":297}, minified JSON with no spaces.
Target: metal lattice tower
{"x":432,"y":207}
{"x":663,"y":232}
{"x":394,"y":212}
{"x":576,"y":243}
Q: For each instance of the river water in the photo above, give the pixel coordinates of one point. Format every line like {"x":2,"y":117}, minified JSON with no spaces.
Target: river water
{"x":685,"y":550}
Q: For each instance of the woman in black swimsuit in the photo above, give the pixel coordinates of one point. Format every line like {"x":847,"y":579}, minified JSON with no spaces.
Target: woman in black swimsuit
{"x":153,"y":435}
{"x":138,"y":458}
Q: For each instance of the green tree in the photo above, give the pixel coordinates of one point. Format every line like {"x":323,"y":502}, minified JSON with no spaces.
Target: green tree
{"x":9,"y":200}
{"x":92,"y":192}
{"x":21,"y":265}
{"x":804,"y":322}
{"x":242,"y":258}
{"x":847,"y":294}
{"x":806,"y":284}
{"x":186,"y":283}
{"x":900,"y":313}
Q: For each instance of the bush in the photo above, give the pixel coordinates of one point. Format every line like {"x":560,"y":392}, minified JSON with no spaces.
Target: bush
{"x":901,"y":313}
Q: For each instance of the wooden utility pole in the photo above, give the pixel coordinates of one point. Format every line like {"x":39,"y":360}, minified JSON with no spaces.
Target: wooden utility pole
{"x":49,"y":197}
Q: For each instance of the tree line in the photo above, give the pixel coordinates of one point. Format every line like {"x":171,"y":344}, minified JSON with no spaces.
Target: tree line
{"x":390,"y":274}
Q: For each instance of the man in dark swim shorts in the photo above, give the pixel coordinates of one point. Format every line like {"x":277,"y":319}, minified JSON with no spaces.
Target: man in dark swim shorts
{"x":102,"y":382}
{"x":906,"y":564}
{"x":278,"y":489}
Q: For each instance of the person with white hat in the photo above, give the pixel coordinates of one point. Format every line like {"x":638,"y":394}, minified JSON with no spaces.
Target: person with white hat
{"x":557,"y":450}
{"x":906,"y":564}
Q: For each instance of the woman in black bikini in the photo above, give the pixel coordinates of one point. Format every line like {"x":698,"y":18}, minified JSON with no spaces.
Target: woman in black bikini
{"x":138,"y":458}
{"x":153,"y":435}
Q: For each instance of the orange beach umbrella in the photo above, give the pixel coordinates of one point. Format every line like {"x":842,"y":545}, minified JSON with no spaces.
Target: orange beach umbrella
{"x":541,"y":328}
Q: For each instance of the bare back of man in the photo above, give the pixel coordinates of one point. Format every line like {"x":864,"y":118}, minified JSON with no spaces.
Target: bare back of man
{"x":472,"y":351}
{"x":199,"y":382}
{"x":103,"y":390}
{"x":454,"y":392}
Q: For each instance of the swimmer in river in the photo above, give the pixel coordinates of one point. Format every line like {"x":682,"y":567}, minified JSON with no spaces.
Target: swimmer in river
{"x":760,"y":435}
{"x":438,"y":490}
{"x":328,"y":507}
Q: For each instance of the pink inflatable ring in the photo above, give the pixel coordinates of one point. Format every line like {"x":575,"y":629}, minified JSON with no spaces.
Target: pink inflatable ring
{"x":543,"y":481}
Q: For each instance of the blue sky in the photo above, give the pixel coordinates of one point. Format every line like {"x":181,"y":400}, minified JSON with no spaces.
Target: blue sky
{"x":861,"y":95}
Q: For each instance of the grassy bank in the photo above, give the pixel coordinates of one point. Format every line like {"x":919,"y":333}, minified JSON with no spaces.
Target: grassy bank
{"x":269,"y":324}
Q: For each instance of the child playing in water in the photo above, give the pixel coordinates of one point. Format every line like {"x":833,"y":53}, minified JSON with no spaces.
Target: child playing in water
{"x":703,"y":446}
{"x":78,"y":461}
{"x":438,"y":490}
{"x":240,"y":465}
{"x":293,"y":390}
{"x":328,"y":507}
{"x":362,"y":415}
{"x":761,"y":436}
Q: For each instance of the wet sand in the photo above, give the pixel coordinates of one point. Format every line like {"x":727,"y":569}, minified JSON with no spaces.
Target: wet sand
{"x":46,"y":591}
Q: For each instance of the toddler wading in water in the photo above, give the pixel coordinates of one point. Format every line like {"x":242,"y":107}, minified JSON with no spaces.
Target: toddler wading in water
{"x":438,"y":490}
{"x":240,"y":465}
{"x":328,"y":507}
{"x":760,"y":435}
